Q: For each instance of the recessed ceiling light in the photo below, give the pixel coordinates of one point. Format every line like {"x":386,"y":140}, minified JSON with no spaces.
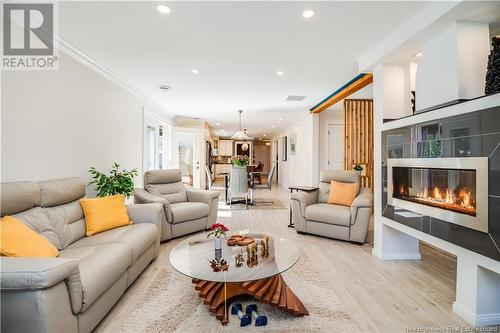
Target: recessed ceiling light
{"x":217,"y":124}
{"x":308,"y":13}
{"x":280,"y":73}
{"x":194,"y":71}
{"x":418,"y":54}
{"x":263,"y":135}
{"x":163,"y":9}
{"x":280,"y":119}
{"x":273,"y":126}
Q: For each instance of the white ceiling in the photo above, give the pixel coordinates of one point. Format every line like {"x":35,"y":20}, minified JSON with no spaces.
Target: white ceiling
{"x":237,"y":47}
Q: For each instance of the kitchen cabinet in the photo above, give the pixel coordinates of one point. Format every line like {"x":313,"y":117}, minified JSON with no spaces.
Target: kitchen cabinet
{"x":215,"y":146}
{"x":220,"y":168}
{"x":225,"y":147}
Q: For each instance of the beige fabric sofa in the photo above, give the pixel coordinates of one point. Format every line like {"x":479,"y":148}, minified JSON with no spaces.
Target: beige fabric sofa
{"x":71,"y":293}
{"x":187,"y":209}
{"x":313,"y":215}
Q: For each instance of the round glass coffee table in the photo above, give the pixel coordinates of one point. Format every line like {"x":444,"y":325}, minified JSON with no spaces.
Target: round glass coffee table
{"x":242,"y":270}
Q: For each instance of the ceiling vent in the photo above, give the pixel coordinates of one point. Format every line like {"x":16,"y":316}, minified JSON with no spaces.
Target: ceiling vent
{"x":164,"y":87}
{"x":295,"y":98}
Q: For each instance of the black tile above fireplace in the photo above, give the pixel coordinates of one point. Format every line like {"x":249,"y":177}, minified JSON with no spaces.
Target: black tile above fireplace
{"x":451,"y":190}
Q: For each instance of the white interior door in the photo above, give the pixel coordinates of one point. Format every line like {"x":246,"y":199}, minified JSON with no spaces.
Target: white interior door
{"x":335,"y":135}
{"x":186,"y":155}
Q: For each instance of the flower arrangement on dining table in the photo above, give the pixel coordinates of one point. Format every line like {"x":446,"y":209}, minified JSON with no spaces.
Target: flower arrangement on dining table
{"x":240,"y":160}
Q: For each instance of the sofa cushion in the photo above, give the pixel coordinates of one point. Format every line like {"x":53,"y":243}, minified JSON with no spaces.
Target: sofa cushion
{"x":138,"y":237}
{"x":68,"y":219}
{"x":36,"y":219}
{"x":18,"y":196}
{"x":331,"y":214}
{"x":19,"y":240}
{"x":103,"y":214}
{"x":187,"y":211}
{"x":100,"y":266}
{"x":60,"y":191}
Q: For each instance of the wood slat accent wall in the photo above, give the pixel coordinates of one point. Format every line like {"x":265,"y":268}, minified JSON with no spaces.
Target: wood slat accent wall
{"x":358,"y":129}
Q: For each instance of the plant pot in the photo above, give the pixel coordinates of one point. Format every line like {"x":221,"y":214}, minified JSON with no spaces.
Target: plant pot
{"x":218,"y":248}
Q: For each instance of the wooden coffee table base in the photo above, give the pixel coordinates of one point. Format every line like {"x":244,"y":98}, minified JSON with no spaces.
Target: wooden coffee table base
{"x":271,"y":290}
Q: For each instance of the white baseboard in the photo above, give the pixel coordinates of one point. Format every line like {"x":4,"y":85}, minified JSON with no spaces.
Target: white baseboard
{"x":474,"y":319}
{"x":396,"y":256}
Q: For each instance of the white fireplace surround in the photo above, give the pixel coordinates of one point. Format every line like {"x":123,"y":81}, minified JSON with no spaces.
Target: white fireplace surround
{"x":479,"y":164}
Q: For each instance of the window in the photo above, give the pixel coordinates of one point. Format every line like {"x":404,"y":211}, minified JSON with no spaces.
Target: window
{"x":156,"y":144}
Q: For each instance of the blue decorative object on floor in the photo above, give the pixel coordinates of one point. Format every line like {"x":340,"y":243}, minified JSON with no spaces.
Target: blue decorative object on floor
{"x":260,"y":320}
{"x":245,"y":319}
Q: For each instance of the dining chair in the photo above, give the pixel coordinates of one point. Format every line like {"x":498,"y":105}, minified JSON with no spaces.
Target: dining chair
{"x":268,"y":185}
{"x":238,"y":185}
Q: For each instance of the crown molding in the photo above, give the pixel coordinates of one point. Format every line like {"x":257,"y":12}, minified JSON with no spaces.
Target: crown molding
{"x":102,"y":70}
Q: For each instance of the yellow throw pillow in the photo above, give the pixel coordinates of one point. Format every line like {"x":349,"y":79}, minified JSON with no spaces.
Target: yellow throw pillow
{"x":18,"y":240}
{"x":106,"y":213}
{"x":342,"y":193}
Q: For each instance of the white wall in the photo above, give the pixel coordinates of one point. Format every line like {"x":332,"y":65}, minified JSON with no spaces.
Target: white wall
{"x":453,"y":64}
{"x":302,"y":168}
{"x":60,"y":123}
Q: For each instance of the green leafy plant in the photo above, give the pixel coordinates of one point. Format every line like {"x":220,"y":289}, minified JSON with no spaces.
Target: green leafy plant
{"x":117,"y":182}
{"x":432,"y":147}
{"x":240,"y":160}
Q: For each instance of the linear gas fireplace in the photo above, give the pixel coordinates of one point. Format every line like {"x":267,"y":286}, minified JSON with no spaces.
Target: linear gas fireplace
{"x":451,"y":189}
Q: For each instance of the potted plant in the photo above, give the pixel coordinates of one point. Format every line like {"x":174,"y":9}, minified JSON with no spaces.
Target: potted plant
{"x":240,"y":161}
{"x":218,"y":230}
{"x":117,"y":182}
{"x":358,"y":168}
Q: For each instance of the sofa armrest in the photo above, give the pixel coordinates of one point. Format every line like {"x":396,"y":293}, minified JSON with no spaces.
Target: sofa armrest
{"x":364,"y":198}
{"x":23,"y":274}
{"x":206,"y":196}
{"x":146,"y":213}
{"x":305,"y":199}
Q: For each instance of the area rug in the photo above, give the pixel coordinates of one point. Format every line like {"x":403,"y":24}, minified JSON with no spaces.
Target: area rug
{"x":172,"y":305}
{"x":263,"y":201}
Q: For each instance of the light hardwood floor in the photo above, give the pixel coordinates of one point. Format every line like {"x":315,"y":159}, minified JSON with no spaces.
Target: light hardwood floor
{"x":379,"y":296}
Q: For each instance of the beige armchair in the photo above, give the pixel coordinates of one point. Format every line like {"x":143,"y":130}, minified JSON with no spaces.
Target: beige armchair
{"x":313,"y":215}
{"x":187,"y":209}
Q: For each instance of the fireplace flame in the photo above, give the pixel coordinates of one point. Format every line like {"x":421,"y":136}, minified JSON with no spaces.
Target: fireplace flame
{"x":460,"y":200}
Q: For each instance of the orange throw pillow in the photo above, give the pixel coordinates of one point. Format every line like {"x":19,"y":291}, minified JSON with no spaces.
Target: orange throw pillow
{"x":19,"y":240}
{"x":342,"y":193}
{"x":106,"y":213}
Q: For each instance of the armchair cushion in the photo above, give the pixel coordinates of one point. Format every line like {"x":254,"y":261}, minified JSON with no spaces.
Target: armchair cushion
{"x":173,"y":192}
{"x":342,"y":193}
{"x":20,"y":274}
{"x":328,"y":213}
{"x":188,"y":211}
